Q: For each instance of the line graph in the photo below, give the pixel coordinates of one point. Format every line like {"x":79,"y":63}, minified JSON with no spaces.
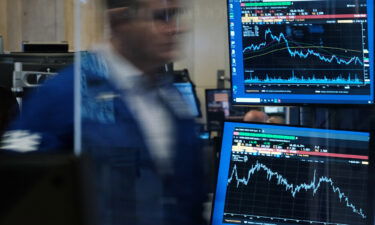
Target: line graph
{"x":299,"y":53}
{"x":300,"y":59}
{"x":295,"y":78}
{"x":294,"y":189}
{"x":340,"y":80}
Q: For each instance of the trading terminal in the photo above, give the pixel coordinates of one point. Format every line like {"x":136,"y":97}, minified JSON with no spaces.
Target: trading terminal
{"x":261,"y":113}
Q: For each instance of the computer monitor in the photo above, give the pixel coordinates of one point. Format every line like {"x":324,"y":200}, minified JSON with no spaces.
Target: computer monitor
{"x":45,"y":47}
{"x":219,"y":108}
{"x":218,"y":100}
{"x":302,"y":51}
{"x":41,"y":62}
{"x":271,"y":174}
{"x":187,"y":91}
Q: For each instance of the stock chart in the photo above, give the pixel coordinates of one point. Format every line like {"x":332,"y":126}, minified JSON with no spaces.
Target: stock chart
{"x":304,"y":55}
{"x":275,"y":178}
{"x":300,"y":47}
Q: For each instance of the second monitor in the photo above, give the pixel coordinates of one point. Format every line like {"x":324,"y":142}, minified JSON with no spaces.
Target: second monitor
{"x":278,"y":175}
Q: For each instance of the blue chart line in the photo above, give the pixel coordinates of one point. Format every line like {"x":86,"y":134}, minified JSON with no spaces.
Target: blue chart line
{"x":293,"y":53}
{"x":314,"y":185}
{"x":340,"y":80}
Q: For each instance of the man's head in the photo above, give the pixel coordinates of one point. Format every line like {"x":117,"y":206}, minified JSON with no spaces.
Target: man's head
{"x":145,"y":31}
{"x":255,"y":116}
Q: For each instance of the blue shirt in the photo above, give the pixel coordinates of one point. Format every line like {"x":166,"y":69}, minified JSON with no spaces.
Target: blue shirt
{"x":129,"y":187}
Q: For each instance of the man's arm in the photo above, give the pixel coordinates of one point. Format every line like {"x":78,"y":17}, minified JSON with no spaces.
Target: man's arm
{"x":46,"y":120}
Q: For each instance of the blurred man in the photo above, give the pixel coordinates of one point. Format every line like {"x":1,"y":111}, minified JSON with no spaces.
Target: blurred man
{"x":145,"y":31}
{"x":135,"y":125}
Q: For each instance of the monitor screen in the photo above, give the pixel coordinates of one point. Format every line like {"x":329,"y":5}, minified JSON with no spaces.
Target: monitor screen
{"x":219,"y":108}
{"x":217,"y":100}
{"x":270,"y":174}
{"x":188,"y":93}
{"x":302,"y":51}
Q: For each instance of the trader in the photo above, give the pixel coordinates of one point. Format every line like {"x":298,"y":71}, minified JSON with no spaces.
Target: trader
{"x":135,"y":125}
